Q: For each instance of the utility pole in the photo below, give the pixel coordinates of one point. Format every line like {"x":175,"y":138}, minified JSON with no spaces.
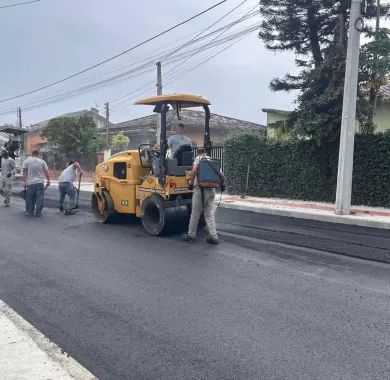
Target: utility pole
{"x":19,"y":112}
{"x":348,"y":123}
{"x":159,"y":92}
{"x":107,"y":108}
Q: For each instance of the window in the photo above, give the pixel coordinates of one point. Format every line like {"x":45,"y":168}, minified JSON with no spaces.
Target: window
{"x":120,"y":170}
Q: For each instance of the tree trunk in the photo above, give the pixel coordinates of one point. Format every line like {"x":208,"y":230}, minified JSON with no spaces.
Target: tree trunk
{"x":313,"y":33}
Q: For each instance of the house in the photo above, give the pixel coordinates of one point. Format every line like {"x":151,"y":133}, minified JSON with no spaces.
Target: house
{"x":382,"y":112}
{"x":33,"y":138}
{"x":143,"y":130}
{"x":275,"y":119}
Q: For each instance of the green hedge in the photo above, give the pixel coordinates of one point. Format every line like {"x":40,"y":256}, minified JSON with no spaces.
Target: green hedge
{"x":302,"y":170}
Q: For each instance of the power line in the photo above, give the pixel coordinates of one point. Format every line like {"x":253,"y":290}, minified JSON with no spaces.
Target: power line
{"x":214,"y":39}
{"x":137,"y":69}
{"x":133,"y":73}
{"x":204,"y":30}
{"x":115,"y":56}
{"x":17,"y":4}
{"x":195,"y":66}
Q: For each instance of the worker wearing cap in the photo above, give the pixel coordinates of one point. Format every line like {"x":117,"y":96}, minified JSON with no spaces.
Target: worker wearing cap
{"x":202,"y":201}
{"x":7,"y":174}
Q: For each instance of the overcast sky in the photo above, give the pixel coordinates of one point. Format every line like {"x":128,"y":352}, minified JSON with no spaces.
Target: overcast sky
{"x":46,"y":41}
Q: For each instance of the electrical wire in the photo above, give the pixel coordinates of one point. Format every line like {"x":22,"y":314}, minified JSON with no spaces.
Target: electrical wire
{"x":248,"y":14}
{"x":224,"y":31}
{"x":115,"y":56}
{"x":17,"y":4}
{"x":195,"y":66}
{"x":149,"y":65}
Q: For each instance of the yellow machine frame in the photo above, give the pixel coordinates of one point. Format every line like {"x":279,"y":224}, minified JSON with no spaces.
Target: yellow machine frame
{"x":125,"y":183}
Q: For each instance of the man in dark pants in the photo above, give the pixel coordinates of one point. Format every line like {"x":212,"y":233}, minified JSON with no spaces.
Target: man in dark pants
{"x":34,"y":172}
{"x":66,"y":187}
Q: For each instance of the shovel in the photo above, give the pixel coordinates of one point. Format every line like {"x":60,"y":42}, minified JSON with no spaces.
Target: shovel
{"x":78,"y":193}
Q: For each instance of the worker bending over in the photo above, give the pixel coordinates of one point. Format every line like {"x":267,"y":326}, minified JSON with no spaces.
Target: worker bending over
{"x":66,"y":187}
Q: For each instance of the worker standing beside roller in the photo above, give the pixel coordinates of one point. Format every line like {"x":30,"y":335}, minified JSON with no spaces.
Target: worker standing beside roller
{"x":203,"y":198}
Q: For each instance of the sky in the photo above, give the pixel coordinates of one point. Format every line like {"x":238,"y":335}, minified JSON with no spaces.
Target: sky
{"x":51,"y":39}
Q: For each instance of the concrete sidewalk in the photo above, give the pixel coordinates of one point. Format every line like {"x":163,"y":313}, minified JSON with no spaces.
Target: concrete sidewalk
{"x":26,"y":354}
{"x":325,"y":212}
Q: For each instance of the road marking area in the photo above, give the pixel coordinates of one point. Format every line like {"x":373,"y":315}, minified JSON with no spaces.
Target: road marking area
{"x":26,"y":354}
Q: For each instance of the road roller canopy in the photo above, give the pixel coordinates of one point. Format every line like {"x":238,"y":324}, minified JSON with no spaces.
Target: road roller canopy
{"x":184,"y":100}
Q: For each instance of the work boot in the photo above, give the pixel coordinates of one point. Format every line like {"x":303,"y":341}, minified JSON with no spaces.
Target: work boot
{"x":187,"y":237}
{"x":212,"y":240}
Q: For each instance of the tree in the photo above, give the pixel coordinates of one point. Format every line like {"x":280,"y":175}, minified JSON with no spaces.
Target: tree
{"x":305,"y":27}
{"x":316,"y":31}
{"x":374,"y":70}
{"x":120,"y":141}
{"x":74,"y":137}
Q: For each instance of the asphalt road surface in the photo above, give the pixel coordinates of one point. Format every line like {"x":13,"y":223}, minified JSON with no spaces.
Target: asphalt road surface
{"x":269,"y":302}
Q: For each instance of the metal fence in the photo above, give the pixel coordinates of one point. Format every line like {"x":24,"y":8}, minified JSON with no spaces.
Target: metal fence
{"x":216,"y":154}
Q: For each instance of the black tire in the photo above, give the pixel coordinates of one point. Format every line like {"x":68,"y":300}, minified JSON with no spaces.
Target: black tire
{"x":153,"y":215}
{"x":102,"y":206}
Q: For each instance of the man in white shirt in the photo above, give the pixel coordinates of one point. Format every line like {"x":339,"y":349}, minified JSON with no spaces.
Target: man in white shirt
{"x":178,"y":140}
{"x":34,"y":172}
{"x":66,"y":187}
{"x":7,"y":174}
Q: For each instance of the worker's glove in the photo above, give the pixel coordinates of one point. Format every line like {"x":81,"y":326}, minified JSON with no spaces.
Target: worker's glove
{"x":9,"y":175}
{"x":190,"y":186}
{"x":223,"y":187}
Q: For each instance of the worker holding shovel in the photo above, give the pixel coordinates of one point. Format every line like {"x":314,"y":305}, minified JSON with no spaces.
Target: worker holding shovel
{"x":66,"y":187}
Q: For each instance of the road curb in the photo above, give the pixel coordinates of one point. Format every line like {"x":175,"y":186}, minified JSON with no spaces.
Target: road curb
{"x":58,"y":357}
{"x":343,"y":219}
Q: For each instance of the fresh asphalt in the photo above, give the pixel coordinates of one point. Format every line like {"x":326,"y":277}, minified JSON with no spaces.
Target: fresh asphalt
{"x":272,"y":301}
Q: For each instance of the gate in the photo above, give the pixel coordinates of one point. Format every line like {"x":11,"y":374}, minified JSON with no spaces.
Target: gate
{"x":216,"y":154}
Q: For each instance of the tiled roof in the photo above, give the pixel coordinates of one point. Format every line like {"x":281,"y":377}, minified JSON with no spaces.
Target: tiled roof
{"x":89,"y":112}
{"x":281,"y":112}
{"x":190,"y":117}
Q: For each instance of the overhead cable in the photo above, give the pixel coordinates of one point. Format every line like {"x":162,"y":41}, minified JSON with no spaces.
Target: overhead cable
{"x":17,"y":4}
{"x":115,"y":56}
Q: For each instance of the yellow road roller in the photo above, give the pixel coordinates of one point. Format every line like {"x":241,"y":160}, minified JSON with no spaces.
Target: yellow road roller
{"x":144,"y":182}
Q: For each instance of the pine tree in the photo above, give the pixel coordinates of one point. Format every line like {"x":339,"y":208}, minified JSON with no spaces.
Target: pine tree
{"x":316,"y":31}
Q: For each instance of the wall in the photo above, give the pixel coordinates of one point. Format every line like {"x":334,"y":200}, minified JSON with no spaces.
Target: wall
{"x":32,"y":140}
{"x":273,"y":117}
{"x":382,"y":117}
